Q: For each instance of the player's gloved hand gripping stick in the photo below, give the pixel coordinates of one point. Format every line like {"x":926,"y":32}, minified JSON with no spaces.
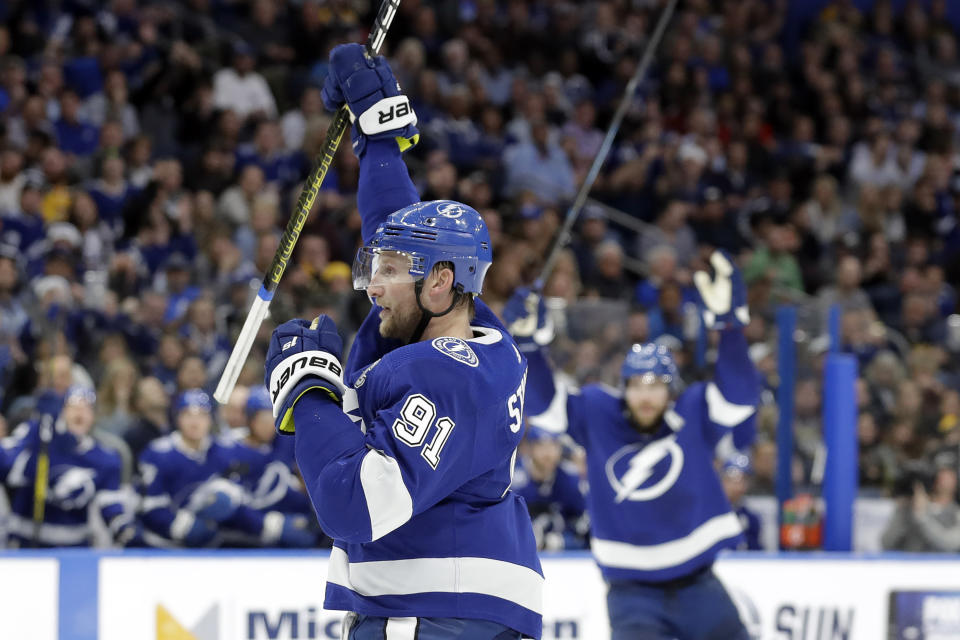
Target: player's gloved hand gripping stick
{"x":366,"y":123}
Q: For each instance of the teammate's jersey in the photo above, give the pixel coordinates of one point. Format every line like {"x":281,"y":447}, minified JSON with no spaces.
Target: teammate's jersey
{"x":83,"y":474}
{"x":556,"y":506}
{"x":657,"y":508}
{"x":750,"y":523}
{"x":176,"y":480}
{"x":413,"y":482}
{"x":265,"y":472}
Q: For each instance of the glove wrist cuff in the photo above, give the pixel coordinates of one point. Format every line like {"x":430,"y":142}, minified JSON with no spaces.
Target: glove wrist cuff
{"x":287,"y":375}
{"x":181,"y":525}
{"x":272,"y":527}
{"x":387,"y":114}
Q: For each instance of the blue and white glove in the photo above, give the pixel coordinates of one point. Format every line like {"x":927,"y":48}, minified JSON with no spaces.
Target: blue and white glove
{"x":297,"y":533}
{"x":219,"y":507}
{"x":724,"y":296}
{"x":190,"y":530}
{"x":302,"y":356}
{"x":525,"y":315}
{"x":378,"y":109}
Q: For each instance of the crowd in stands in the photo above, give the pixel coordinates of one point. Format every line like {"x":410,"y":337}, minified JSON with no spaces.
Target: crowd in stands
{"x":151,"y":150}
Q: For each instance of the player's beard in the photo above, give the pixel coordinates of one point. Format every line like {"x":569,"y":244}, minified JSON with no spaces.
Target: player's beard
{"x":399,"y":323}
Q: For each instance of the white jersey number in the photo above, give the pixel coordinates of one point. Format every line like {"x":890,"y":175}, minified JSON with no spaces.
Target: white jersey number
{"x":416,"y":418}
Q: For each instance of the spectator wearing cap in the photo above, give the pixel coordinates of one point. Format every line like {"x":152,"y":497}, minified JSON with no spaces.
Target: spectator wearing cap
{"x":179,"y":287}
{"x":539,"y":166}
{"x":74,"y":135}
{"x":83,"y":474}
{"x":151,"y":405}
{"x":241,"y":89}
{"x":735,"y":474}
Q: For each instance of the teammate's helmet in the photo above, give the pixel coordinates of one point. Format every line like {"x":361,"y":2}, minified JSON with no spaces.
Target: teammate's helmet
{"x":258,"y":400}
{"x":653,"y":362}
{"x":738,"y":463}
{"x":426,"y":233}
{"x":192,"y":399}
{"x":78,"y":394}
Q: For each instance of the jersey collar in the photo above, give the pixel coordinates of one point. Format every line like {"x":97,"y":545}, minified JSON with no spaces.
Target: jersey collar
{"x":485,"y":335}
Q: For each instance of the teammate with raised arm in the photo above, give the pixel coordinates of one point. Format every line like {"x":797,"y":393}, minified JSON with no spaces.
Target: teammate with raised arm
{"x":658,"y":512}
{"x":407,"y":450}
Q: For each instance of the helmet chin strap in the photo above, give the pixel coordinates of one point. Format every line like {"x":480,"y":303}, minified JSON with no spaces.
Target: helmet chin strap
{"x":425,"y":314}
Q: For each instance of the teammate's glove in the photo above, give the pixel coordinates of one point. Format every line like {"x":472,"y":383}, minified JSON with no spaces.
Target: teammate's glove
{"x":191,"y":530}
{"x":724,"y":296}
{"x":525,"y":315}
{"x":302,"y":356}
{"x":379,"y":111}
{"x":297,"y":533}
{"x":219,"y":507}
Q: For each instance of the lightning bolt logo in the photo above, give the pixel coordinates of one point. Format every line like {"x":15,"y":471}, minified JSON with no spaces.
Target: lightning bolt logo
{"x":640,"y":469}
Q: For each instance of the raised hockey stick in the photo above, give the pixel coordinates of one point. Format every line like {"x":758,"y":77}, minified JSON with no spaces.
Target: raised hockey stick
{"x":563,"y":237}
{"x":42,"y":478}
{"x":258,"y":310}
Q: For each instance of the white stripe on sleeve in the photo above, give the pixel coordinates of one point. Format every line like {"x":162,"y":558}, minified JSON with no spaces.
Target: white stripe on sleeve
{"x":723,"y":412}
{"x":388,"y":501}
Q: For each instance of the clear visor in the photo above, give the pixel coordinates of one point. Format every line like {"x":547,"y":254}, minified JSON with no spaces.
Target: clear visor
{"x":374,"y":266}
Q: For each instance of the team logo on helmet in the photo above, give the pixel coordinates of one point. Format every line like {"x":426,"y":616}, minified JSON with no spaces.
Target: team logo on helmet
{"x":639,"y":473}
{"x":451,"y":210}
{"x":457,"y":349}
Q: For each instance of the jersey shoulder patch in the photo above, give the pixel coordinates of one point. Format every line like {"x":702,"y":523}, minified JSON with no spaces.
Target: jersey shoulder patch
{"x":457,"y":349}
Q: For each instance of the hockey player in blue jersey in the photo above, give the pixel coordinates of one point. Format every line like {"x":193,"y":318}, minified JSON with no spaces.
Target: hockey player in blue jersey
{"x":188,"y":496}
{"x":551,"y":488}
{"x":263,"y":467}
{"x":658,"y":513}
{"x":407,"y":449}
{"x":82,"y":473}
{"x":735,"y":473}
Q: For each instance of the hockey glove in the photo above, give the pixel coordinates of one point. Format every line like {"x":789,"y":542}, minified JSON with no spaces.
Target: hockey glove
{"x":297,"y":533}
{"x":191,"y":530}
{"x":219,"y":507}
{"x":525,"y":315}
{"x":378,"y":110}
{"x":302,"y":356}
{"x":724,"y":296}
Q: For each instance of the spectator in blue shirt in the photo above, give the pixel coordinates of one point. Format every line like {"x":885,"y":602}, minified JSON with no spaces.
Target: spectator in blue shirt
{"x":73,"y":134}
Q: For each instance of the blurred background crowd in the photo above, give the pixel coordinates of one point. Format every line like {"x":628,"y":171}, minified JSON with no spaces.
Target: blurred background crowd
{"x":150,"y":151}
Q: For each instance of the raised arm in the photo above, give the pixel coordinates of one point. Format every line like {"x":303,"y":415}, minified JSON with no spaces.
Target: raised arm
{"x":734,"y":393}
{"x":384,"y":126}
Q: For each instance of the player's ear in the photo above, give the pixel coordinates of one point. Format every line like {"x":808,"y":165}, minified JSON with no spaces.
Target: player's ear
{"x":441,"y":281}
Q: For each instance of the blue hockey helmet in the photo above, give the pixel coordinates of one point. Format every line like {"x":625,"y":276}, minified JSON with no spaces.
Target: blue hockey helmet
{"x":192,"y":399}
{"x":427,"y":233}
{"x":737,"y":464}
{"x":653,"y":362}
{"x":258,"y":400}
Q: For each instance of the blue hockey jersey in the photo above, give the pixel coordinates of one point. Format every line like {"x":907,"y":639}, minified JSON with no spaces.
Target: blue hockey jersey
{"x":556,"y":507}
{"x":657,"y":508}
{"x":83,"y":474}
{"x":177,"y":482}
{"x":265,"y":472}
{"x":412,"y":478}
